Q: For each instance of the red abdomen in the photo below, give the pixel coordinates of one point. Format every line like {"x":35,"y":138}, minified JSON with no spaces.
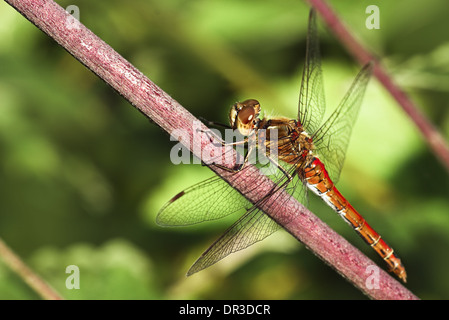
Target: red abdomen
{"x":319,"y":182}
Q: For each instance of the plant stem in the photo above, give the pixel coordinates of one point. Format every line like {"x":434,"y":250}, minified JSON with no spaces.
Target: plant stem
{"x":157,"y":105}
{"x":33,"y":280}
{"x":429,"y":132}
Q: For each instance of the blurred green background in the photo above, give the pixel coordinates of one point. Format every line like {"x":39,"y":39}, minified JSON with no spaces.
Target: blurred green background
{"x":83,"y":174}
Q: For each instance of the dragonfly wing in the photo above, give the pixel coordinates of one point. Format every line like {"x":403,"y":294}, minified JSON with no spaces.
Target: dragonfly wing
{"x":208,"y":200}
{"x":331,"y":140}
{"x":252,"y":227}
{"x":311,"y":95}
{"x":214,"y":199}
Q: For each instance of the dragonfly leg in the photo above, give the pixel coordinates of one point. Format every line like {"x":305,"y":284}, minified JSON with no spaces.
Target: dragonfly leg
{"x":239,"y":166}
{"x":213,"y":138}
{"x":214,"y":124}
{"x":284,"y":172}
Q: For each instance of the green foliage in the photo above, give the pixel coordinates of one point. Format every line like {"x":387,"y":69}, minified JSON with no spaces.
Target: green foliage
{"x":82,"y":174}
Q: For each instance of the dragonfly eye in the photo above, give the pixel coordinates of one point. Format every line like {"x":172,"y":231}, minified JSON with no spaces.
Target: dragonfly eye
{"x":247,"y":114}
{"x":243,"y":115}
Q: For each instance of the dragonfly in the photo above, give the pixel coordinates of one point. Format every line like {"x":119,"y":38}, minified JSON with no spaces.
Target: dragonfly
{"x":309,"y":156}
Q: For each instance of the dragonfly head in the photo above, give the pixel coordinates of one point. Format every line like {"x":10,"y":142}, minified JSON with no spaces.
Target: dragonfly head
{"x":244,"y":116}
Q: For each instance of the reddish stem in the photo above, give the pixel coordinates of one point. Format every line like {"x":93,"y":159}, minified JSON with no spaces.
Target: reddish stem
{"x":430,"y":134}
{"x":31,"y":278}
{"x":154,"y":103}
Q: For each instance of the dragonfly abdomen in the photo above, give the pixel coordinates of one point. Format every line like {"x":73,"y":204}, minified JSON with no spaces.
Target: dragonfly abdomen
{"x":319,"y":182}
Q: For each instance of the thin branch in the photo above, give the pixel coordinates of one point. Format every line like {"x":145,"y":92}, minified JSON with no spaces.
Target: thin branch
{"x":429,"y":132}
{"x":33,"y":280}
{"x":157,"y":105}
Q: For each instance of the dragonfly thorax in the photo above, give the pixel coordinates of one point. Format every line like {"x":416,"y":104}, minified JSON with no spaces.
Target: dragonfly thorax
{"x":306,"y":142}
{"x":307,"y":147}
{"x":244,"y":116}
{"x":295,"y":146}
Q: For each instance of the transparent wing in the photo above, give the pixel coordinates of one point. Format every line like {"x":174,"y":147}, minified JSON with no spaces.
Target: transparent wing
{"x":214,"y":199}
{"x":250,"y":228}
{"x":311,"y":95}
{"x":331,"y":140}
{"x":208,"y":200}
